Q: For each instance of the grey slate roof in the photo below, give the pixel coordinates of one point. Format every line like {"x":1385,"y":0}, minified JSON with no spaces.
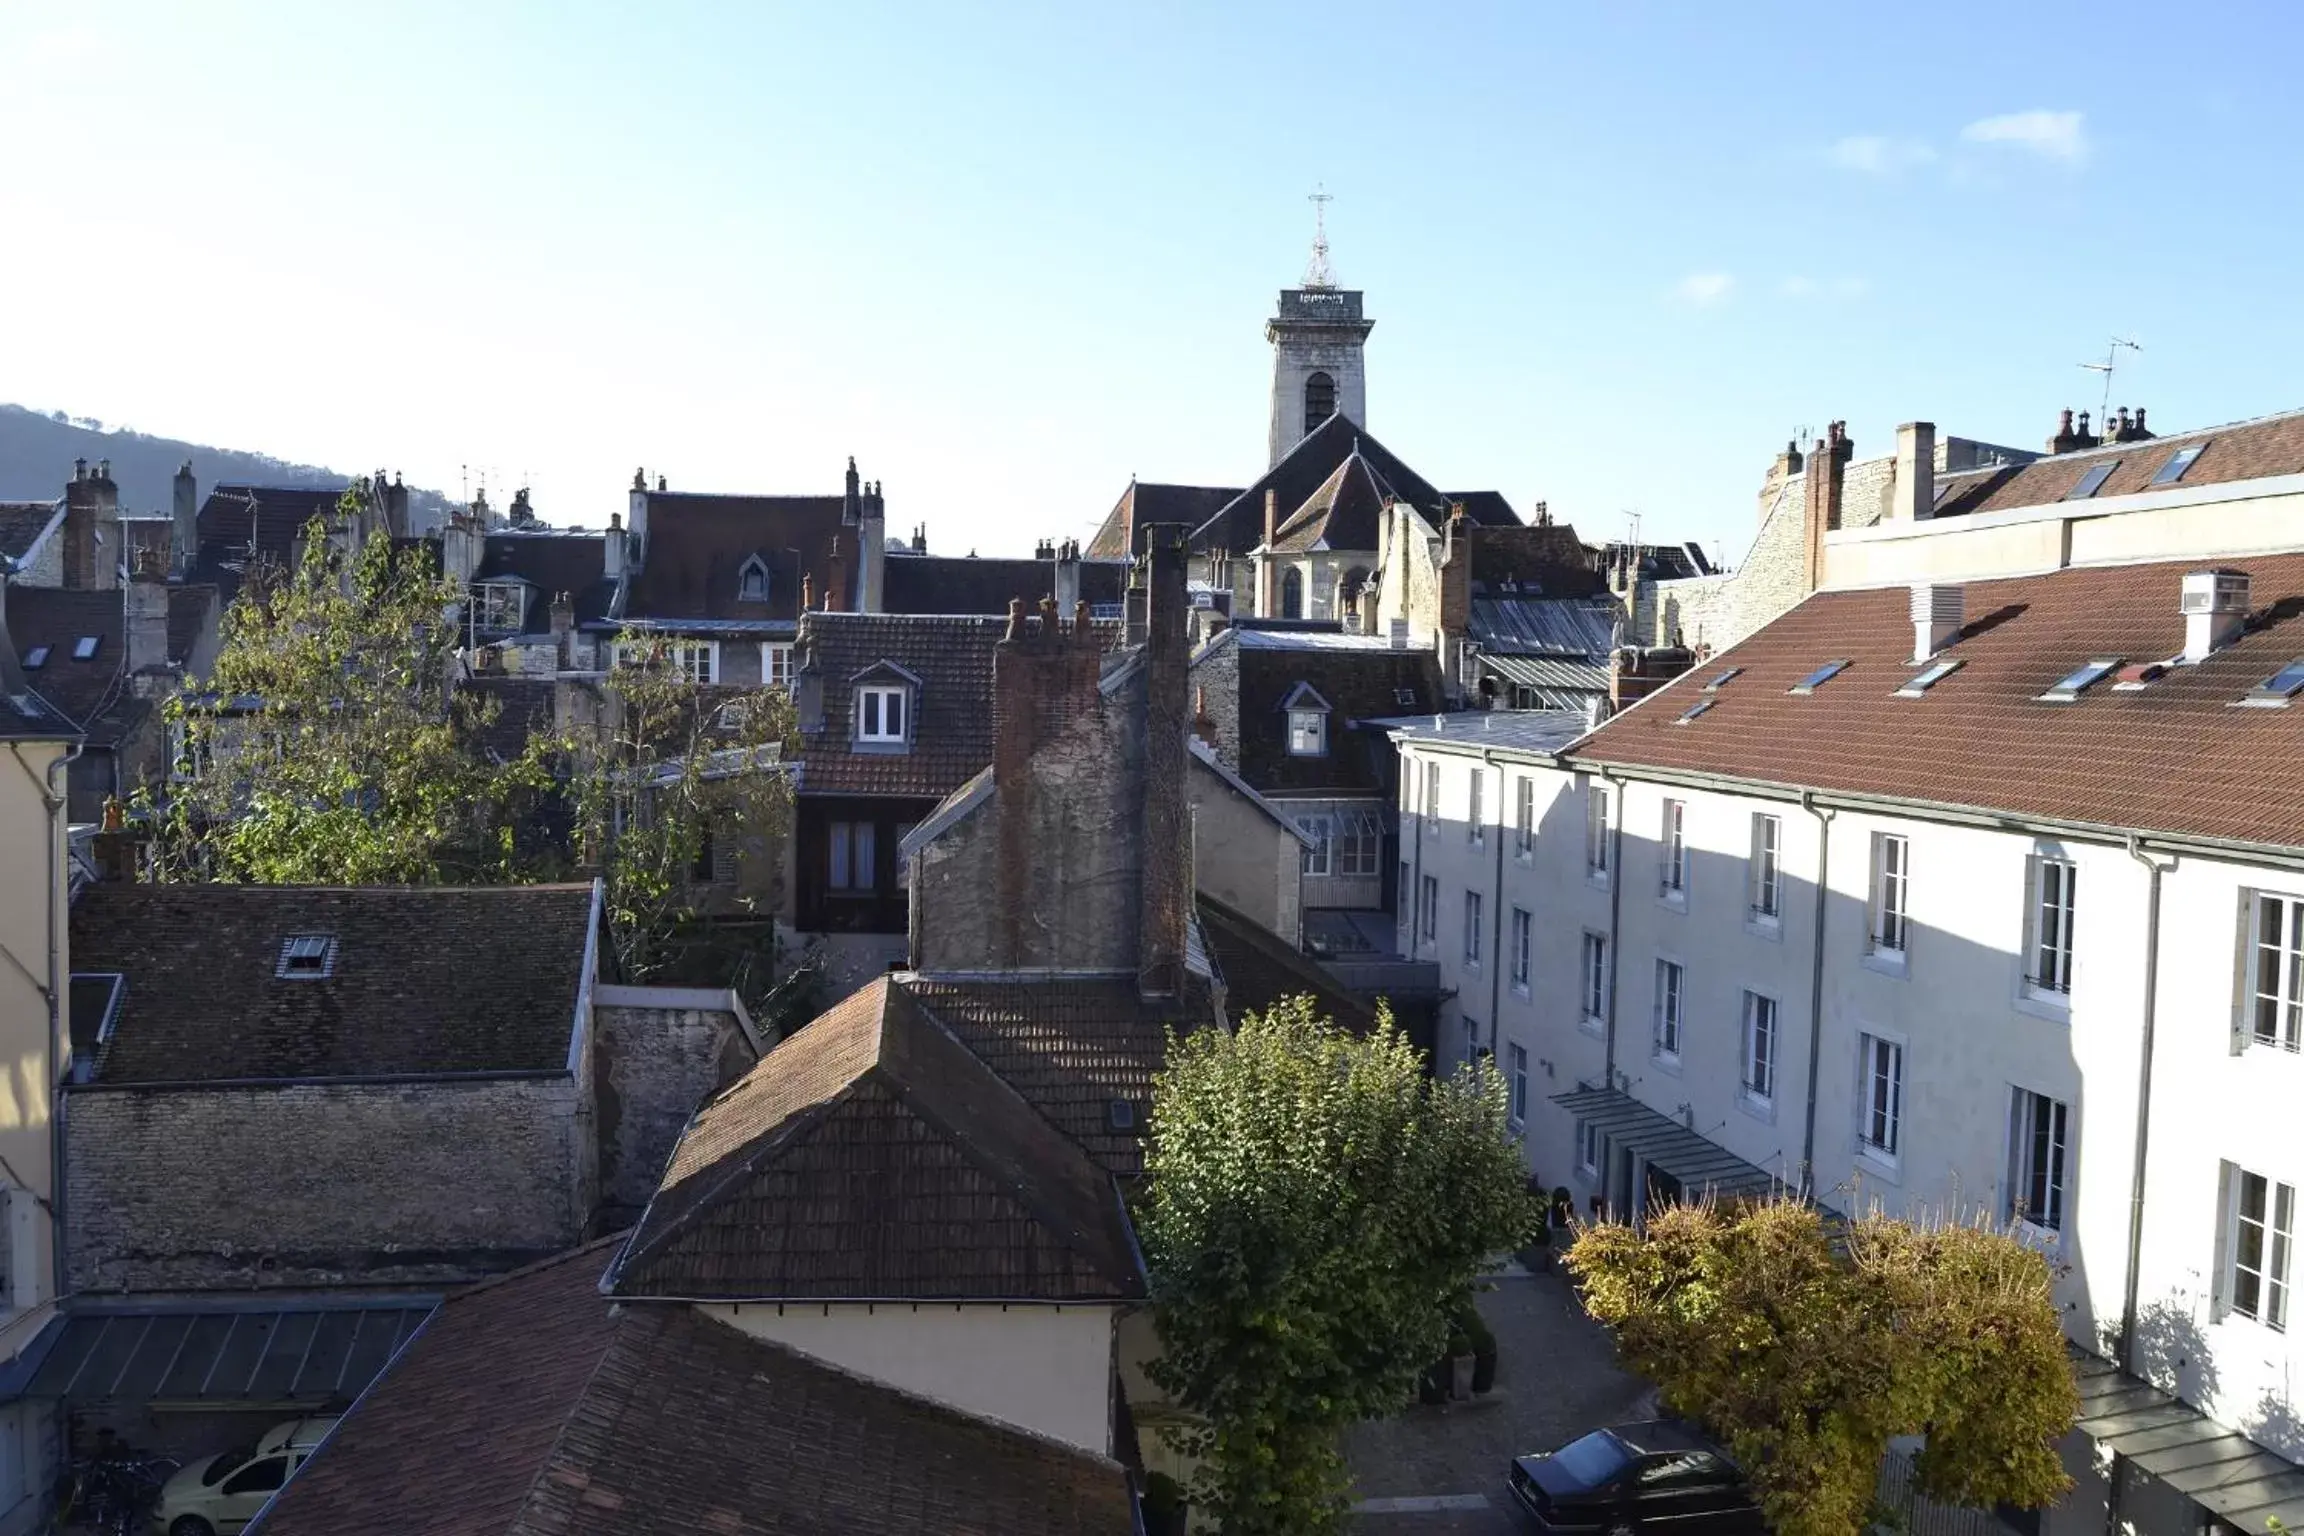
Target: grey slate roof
{"x":1523,"y":730}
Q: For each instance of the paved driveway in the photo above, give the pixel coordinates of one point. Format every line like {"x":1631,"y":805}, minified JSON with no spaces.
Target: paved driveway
{"x":1440,"y":1471}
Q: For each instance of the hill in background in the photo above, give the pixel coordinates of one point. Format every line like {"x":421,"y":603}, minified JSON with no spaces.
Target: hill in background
{"x":37,"y":450}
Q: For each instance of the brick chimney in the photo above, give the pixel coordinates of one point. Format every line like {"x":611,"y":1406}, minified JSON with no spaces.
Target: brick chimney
{"x":1043,"y":679}
{"x":184,"y":529}
{"x":92,"y":550}
{"x":1167,"y":867}
{"x":2069,"y":439}
{"x":1827,"y":474}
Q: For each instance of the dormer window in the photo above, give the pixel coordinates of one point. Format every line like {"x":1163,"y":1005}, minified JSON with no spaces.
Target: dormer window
{"x":1307,"y":722}
{"x":880,"y":714}
{"x":307,"y":957}
{"x":499,"y":605}
{"x":752,"y":581}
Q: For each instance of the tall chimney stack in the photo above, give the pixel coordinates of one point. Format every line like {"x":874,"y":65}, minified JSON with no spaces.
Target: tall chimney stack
{"x":1915,"y":472}
{"x":1167,"y":867}
{"x":92,"y":544}
{"x":1826,"y":478}
{"x":184,"y":530}
{"x":871,"y":550}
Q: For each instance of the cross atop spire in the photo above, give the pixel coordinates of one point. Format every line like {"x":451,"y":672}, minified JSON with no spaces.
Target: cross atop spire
{"x":1317,"y":273}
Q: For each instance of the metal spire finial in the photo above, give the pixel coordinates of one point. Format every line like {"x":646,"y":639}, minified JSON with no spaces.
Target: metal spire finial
{"x":1317,"y":273}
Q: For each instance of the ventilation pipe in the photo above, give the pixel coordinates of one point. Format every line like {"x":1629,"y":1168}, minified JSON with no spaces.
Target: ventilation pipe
{"x":2215,"y":609}
{"x":1938,"y":611}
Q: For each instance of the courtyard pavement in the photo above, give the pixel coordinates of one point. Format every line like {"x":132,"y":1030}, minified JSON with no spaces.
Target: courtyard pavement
{"x":1440,"y":1471}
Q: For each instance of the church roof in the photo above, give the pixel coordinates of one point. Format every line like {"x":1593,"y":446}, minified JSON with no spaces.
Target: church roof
{"x":1145,"y":503}
{"x":1238,"y":526}
{"x":1344,"y":513}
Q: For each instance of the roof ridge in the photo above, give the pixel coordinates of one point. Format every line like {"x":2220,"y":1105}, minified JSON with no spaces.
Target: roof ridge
{"x":536,"y":1266}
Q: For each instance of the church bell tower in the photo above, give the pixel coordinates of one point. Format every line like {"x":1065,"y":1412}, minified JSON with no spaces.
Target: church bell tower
{"x":1318,"y":338}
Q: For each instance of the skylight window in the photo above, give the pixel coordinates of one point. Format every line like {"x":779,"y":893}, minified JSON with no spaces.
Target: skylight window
{"x":1693,"y":710}
{"x":1819,"y":677}
{"x":84,"y":648}
{"x":2080,"y":680}
{"x":2093,"y":481}
{"x":307,"y":957}
{"x":2178,"y":462}
{"x":2275,"y":691}
{"x":35,"y":658}
{"x":1936,"y":673}
{"x":1723,"y":679}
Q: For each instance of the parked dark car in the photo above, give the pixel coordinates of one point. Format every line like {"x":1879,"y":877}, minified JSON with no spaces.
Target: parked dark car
{"x":1660,"y":1478}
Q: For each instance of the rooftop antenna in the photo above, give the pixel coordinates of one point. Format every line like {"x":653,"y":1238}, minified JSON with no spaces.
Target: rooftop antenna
{"x":1317,"y":273}
{"x":2111,"y":361}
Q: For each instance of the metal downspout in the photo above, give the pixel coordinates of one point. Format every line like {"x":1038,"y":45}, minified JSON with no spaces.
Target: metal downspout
{"x":1815,"y":987}
{"x":2132,"y":1281}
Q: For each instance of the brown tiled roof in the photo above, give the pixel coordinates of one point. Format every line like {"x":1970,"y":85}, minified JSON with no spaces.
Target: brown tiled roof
{"x":1549,"y":558}
{"x":698,"y":546}
{"x":952,"y":721}
{"x":94,"y":693}
{"x":1363,"y":683}
{"x":1238,"y":526}
{"x":530,"y":1406}
{"x":2247,"y":450}
{"x":1261,"y":969}
{"x":1346,"y":510}
{"x":966,"y":584}
{"x":1070,"y":1047}
{"x":1146,"y":505}
{"x":871,"y":1156}
{"x":426,"y":979}
{"x":21,"y":522}
{"x":2173,"y":757}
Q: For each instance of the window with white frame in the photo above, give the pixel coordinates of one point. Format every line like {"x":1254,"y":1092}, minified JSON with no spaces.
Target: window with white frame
{"x":1759,"y":1066}
{"x":1523,"y":940}
{"x":1673,"y":838}
{"x":880,"y":712}
{"x":1596,"y":830}
{"x":692,"y":661}
{"x":1307,"y":733}
{"x":1587,"y":1148}
{"x":776,"y":663}
{"x":2038,"y":1146}
{"x":2050,"y":950}
{"x":1891,"y":877}
{"x":1880,"y":1095}
{"x":2276,"y":1014}
{"x":853,"y":862}
{"x":1524,"y":816}
{"x":1359,"y":845}
{"x":1472,"y":927}
{"x":1475,"y":829}
{"x":499,"y":604}
{"x":2262,"y":1221}
{"x":1519,"y":1085}
{"x":1669,"y":980}
{"x":1767,"y":865}
{"x":1319,"y":854}
{"x":1595,"y":979}
{"x":1429,"y":905}
{"x":1432,"y":796}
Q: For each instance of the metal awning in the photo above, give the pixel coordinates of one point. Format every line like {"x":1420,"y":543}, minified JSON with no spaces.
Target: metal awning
{"x":1701,"y":1166}
{"x":217,"y":1357}
{"x":2218,"y":1468}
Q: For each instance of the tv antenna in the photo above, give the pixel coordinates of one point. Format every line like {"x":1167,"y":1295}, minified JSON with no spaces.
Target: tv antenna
{"x":2106,"y":367}
{"x":1317,"y":273}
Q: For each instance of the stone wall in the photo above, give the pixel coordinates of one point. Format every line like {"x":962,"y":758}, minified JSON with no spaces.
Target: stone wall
{"x":658,"y":1052}
{"x":316,"y":1184}
{"x":1242,"y":857}
{"x":1216,"y":688}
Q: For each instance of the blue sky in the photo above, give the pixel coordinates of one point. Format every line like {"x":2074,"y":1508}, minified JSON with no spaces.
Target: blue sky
{"x":1008,"y":256}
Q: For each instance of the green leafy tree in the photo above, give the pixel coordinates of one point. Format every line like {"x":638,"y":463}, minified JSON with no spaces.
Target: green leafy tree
{"x":1314,"y":1205}
{"x":1808,"y":1361}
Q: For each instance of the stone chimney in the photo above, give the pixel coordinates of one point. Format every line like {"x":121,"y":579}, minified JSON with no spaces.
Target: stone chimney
{"x":1167,"y":869}
{"x":612,"y":549}
{"x":1455,"y":590}
{"x":919,"y":538}
{"x":184,"y":529}
{"x":1780,"y":470}
{"x":395,"y":499}
{"x":636,"y":518}
{"x":1267,"y":570}
{"x":1827,"y":474}
{"x":1915,"y":495}
{"x":1066,"y":556}
{"x":147,"y":618}
{"x":1044,"y":680}
{"x":563,"y":630}
{"x":871,"y":551}
{"x":92,"y":549}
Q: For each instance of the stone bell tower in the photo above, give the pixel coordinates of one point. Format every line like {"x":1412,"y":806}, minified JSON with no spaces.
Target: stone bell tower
{"x":1317,"y":342}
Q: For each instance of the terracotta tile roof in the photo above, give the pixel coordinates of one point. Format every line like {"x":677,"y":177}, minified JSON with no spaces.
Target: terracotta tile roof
{"x":93,"y":693}
{"x":1362,"y":683}
{"x":1070,"y":1047}
{"x":1261,"y":969}
{"x":2246,"y":450}
{"x":22,"y":523}
{"x":424,"y":980}
{"x":1145,"y":504}
{"x":871,"y":1156}
{"x":966,"y":584}
{"x":2173,"y":757}
{"x":698,"y":546}
{"x":531,"y":1407}
{"x":952,"y":719}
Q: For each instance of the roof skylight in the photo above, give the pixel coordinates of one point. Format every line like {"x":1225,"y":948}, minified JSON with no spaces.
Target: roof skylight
{"x":2080,"y":679}
{"x":1693,"y":710}
{"x":35,"y":658}
{"x":1819,"y":677}
{"x":2178,"y":462}
{"x":1935,"y":673}
{"x":85,"y":647}
{"x":2275,"y":691}
{"x":306,"y":957}
{"x":2093,"y":481}
{"x":1723,"y":679}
